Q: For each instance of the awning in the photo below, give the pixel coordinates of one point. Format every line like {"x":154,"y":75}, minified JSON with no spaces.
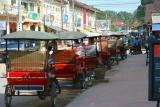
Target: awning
{"x":156,"y":27}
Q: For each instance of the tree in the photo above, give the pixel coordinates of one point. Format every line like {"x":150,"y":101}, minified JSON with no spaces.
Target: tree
{"x":140,"y":12}
{"x":144,"y":2}
{"x":126,"y":17}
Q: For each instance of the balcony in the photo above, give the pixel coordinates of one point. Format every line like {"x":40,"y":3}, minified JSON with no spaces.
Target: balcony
{"x":31,"y":17}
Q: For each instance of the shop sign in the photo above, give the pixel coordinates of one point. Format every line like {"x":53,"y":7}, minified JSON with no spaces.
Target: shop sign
{"x":2,"y":25}
{"x":47,"y":20}
{"x":34,"y":16}
{"x":156,"y":19}
{"x":154,"y":71}
{"x":65,"y":18}
{"x":78,"y":21}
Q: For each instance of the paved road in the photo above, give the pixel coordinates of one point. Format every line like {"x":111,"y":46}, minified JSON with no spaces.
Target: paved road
{"x":127,"y":87}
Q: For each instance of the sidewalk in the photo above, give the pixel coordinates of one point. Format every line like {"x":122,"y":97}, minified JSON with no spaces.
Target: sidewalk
{"x":127,"y":87}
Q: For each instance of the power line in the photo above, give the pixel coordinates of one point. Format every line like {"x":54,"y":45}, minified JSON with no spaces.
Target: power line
{"x":115,"y":4}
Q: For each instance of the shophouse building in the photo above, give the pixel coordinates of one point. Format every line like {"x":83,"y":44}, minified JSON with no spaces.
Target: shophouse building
{"x":47,"y":15}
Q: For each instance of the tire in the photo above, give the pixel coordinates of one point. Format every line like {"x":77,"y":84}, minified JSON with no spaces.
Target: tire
{"x":108,"y":63}
{"x":53,"y":95}
{"x":111,"y":61}
{"x":41,"y":95}
{"x":8,"y":96}
{"x":117,"y":60}
{"x":90,"y":82}
{"x":82,"y":81}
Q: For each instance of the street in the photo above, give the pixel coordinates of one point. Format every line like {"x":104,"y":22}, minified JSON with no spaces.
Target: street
{"x":127,"y":87}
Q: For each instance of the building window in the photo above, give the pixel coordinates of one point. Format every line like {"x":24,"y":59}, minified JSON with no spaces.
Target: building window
{"x":39,"y":9}
{"x":39,"y":28}
{"x":13,"y":2}
{"x":31,"y":7}
{"x":25,"y":5}
{"x":32,"y":28}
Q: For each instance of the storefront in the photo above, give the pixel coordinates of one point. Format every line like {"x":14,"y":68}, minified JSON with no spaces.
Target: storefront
{"x":8,"y":23}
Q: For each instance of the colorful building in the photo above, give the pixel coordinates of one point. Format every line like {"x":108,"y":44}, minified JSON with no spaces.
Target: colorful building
{"x":46,"y":15}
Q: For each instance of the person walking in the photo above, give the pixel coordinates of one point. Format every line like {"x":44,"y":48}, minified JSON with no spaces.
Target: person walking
{"x":136,"y":45}
{"x":120,"y":46}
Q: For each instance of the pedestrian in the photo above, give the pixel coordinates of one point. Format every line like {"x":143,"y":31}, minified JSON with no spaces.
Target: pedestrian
{"x":136,"y":45}
{"x":120,"y":46}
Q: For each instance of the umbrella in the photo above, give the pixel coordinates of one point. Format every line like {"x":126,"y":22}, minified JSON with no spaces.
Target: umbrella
{"x":71,"y":35}
{"x":30,"y":35}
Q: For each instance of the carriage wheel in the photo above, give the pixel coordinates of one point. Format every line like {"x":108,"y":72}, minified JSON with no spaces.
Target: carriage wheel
{"x":53,"y":95}
{"x":90,"y":80}
{"x":8,"y":96}
{"x":82,"y":81}
{"x":109,"y":63}
{"x":117,"y":60}
{"x":41,"y":95}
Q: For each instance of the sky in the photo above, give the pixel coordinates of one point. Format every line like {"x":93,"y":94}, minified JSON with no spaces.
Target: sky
{"x":115,"y":5}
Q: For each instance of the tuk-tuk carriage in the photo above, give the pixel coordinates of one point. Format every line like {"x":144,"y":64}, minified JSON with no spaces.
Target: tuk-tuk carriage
{"x":116,"y":52}
{"x":69,"y":63}
{"x":101,"y":41}
{"x":91,"y":59}
{"x":29,"y":71}
{"x":104,"y":48}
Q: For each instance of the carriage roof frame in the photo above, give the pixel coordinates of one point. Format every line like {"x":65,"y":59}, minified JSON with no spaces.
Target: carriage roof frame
{"x":71,"y":35}
{"x":30,"y":35}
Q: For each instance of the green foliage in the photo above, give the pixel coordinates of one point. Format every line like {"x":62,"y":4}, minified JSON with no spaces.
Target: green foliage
{"x":101,"y":15}
{"x":144,"y":2}
{"x":114,"y":28}
{"x":126,"y":17}
{"x":140,"y":14}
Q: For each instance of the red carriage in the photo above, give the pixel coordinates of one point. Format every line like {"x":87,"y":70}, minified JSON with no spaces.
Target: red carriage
{"x":116,"y":52}
{"x":68,"y":64}
{"x":28,"y":68}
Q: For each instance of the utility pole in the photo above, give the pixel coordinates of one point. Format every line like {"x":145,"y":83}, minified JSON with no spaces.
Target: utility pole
{"x":8,"y":25}
{"x":62,"y":14}
{"x":95,"y":24}
{"x":19,"y":24}
{"x":7,"y":18}
{"x":73,"y":13}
